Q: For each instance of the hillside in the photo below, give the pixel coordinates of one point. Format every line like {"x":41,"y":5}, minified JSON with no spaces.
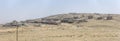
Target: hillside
{"x":75,"y":27}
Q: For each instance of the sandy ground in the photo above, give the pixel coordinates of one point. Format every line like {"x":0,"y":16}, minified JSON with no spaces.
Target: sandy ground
{"x":90,"y":31}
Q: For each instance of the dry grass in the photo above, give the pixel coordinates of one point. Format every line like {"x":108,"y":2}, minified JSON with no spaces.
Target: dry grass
{"x":90,"y":31}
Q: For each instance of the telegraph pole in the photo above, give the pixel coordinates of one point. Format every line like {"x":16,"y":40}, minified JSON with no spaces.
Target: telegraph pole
{"x":16,"y":24}
{"x":16,"y":33}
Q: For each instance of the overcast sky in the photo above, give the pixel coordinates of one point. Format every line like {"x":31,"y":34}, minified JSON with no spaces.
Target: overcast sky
{"x":30,"y":9}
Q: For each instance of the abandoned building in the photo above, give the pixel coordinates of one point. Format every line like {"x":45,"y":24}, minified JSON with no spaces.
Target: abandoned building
{"x":50,"y":21}
{"x":33,"y":21}
{"x":108,"y":18}
{"x":90,"y":17}
{"x":73,"y":20}
{"x":67,"y":20}
{"x":104,"y":18}
{"x":7,"y":25}
{"x":13,"y":24}
{"x":75,"y":17}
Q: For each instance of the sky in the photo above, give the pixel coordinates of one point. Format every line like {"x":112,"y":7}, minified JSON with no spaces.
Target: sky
{"x":31,"y":9}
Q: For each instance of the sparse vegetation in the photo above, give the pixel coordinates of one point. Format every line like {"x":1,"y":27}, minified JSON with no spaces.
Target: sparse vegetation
{"x":92,"y":30}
